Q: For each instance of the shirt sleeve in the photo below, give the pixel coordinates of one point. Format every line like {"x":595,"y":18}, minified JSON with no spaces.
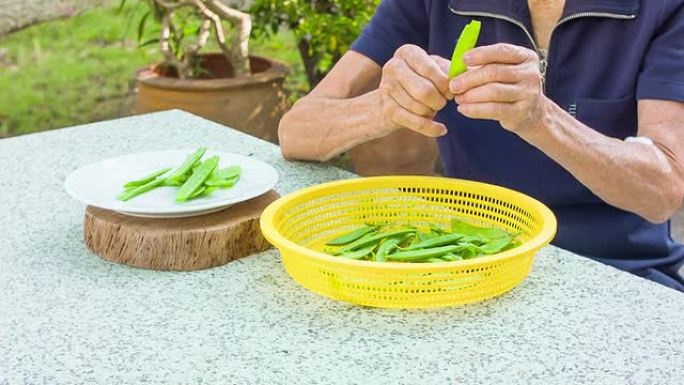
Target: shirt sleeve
{"x":395,"y":23}
{"x":662,"y":71}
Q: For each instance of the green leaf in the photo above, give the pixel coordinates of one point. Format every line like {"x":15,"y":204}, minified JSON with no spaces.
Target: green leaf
{"x":141,"y":24}
{"x":149,"y":42}
{"x":496,"y":245}
{"x":326,"y":28}
{"x":489,"y":233}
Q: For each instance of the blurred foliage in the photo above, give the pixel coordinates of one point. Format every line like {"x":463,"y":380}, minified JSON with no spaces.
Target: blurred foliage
{"x":185,"y":27}
{"x":324,"y":28}
{"x":67,"y":71}
{"x":185,"y":23}
{"x":79,"y":70}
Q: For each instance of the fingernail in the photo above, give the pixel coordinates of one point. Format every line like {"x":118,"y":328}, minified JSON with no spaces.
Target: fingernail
{"x":443,"y":132}
{"x":467,"y":57}
{"x":455,"y":86}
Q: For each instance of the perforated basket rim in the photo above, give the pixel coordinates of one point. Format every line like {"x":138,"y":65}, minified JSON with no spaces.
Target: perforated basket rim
{"x":273,"y":236}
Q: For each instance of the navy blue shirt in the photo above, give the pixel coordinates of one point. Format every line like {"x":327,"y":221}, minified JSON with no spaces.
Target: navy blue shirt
{"x":604,"y":55}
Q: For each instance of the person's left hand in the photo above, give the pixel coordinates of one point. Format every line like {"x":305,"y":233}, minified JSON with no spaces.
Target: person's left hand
{"x":503,"y":83}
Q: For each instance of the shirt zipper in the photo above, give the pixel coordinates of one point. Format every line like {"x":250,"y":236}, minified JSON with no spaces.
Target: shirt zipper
{"x":543,"y":54}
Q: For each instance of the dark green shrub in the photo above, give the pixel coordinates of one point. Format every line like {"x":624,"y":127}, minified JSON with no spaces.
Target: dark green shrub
{"x":324,"y":28}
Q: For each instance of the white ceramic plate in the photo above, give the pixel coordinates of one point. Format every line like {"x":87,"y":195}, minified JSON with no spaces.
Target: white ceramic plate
{"x":98,"y":184}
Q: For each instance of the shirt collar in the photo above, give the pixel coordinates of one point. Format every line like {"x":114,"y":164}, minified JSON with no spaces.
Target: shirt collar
{"x":518,"y":10}
{"x":613,"y":7}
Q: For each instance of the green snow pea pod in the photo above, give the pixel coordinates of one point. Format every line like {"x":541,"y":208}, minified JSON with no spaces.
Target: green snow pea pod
{"x":465,"y":43}
{"x":412,"y":240}
{"x":474,"y":239}
{"x":351,"y":236}
{"x":442,"y":240}
{"x":134,"y":192}
{"x":222,"y":183}
{"x":496,"y":245}
{"x":202,"y":192}
{"x":469,"y":251}
{"x":386,"y":247}
{"x":191,"y":161}
{"x":511,"y":245}
{"x":451,"y":257}
{"x":349,"y":246}
{"x":490,"y":233}
{"x":209,"y":190}
{"x":168,"y":182}
{"x":225,"y":177}
{"x":197,"y":179}
{"x":359,"y":254}
{"x":184,"y":178}
{"x":230,"y":182}
{"x":229,"y":172}
{"x":434,"y":260}
{"x":422,"y":237}
{"x":493,"y":233}
{"x":147,"y":179}
{"x":374,"y":239}
{"x":421,"y":255}
{"x":437,"y":229}
{"x":198,"y":192}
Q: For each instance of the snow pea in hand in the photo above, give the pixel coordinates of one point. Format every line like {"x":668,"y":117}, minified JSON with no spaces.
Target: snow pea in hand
{"x":465,"y":43}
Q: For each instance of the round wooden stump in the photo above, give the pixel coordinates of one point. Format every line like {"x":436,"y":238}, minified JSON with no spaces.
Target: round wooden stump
{"x":180,"y":244}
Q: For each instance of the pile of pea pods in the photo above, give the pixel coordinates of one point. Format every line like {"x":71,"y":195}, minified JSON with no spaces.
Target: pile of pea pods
{"x":406,"y":243}
{"x":195,"y":178}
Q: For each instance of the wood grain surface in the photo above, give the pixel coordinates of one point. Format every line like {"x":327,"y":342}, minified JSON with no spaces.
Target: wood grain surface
{"x":180,"y":244}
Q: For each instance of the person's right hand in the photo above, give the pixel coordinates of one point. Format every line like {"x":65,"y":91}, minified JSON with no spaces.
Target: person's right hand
{"x":414,"y":87}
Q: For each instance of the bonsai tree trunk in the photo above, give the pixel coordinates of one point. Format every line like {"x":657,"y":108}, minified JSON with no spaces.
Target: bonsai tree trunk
{"x":213,"y":11}
{"x":238,"y":54}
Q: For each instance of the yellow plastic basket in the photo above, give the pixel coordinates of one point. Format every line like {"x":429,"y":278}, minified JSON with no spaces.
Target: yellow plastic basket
{"x":303,"y":221}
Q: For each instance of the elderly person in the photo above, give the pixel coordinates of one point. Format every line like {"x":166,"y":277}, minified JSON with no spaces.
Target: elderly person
{"x":577,"y":103}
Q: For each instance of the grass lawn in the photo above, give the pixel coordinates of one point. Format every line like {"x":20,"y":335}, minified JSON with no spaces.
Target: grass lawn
{"x":78,"y":70}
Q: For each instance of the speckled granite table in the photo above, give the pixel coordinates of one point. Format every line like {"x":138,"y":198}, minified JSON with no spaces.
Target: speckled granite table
{"x":68,"y":317}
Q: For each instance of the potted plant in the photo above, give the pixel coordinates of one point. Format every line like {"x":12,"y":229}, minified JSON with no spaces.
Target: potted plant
{"x":231,"y":87}
{"x":324,"y":30}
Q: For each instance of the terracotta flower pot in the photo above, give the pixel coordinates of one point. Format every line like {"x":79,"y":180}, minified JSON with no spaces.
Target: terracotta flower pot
{"x":404,"y":152}
{"x":251,"y":104}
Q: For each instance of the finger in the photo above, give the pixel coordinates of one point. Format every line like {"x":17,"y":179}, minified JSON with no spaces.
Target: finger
{"x":407,"y":102}
{"x":491,"y":111}
{"x":498,"y":53}
{"x":443,"y":65}
{"x":420,"y":88}
{"x":422,"y":64}
{"x":422,"y":125}
{"x":492,"y":92}
{"x":490,"y":73}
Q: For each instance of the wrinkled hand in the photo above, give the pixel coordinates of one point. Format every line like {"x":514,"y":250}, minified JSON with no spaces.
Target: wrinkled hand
{"x":413,"y":88}
{"x":503,"y":83}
